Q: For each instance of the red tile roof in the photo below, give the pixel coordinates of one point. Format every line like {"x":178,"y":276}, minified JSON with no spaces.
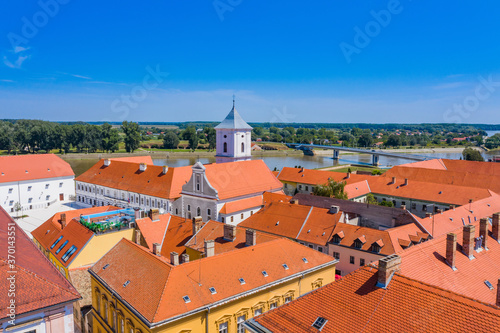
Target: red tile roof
{"x":127,"y":177}
{"x":153,"y":231}
{"x":38,"y":282}
{"x":355,"y":304}
{"x":403,"y":235}
{"x":309,"y":224}
{"x":29,"y":167}
{"x":135,"y":159}
{"x":426,"y":262}
{"x":426,"y":191}
{"x":455,"y":218}
{"x":179,"y":231}
{"x":315,"y":177}
{"x":48,"y":231}
{"x":213,"y":230}
{"x":156,"y":288}
{"x":358,"y":189}
{"x":349,"y":233}
{"x":241,"y":178}
{"x":242,"y":204}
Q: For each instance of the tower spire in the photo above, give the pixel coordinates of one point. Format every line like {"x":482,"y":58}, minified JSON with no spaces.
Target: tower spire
{"x":233,"y":100}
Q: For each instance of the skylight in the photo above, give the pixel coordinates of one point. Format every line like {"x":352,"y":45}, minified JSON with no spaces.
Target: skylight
{"x":105,"y":266}
{"x":126,"y":283}
{"x":277,"y":223}
{"x":69,"y":253}
{"x":285,"y":266}
{"x":242,"y":280}
{"x":305,"y":260}
{"x":265,"y":274}
{"x":186,"y":299}
{"x":61,"y":247}
{"x":488,"y":284}
{"x":55,"y":243}
{"x":319,"y":323}
{"x":212,"y":290}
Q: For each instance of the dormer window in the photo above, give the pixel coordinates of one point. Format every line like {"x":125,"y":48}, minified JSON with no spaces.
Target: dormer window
{"x":358,"y":244}
{"x":375,"y":248}
{"x":336,"y":239}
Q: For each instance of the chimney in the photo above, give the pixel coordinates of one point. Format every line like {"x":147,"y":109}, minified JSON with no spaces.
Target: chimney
{"x":229,"y":232}
{"x":142,"y":167}
{"x":452,"y":207}
{"x":156,"y":249}
{"x":294,"y":201}
{"x":403,"y":207}
{"x":451,"y":248}
{"x":498,"y":292}
{"x":406,"y":182}
{"x":468,"y":241}
{"x":197,"y":223}
{"x":107,"y":162}
{"x":209,"y":248}
{"x":393,"y":180}
{"x":386,"y":268}
{"x":483,"y":231}
{"x":251,"y":237}
{"x":439,"y":211}
{"x":154,"y":214}
{"x":334,"y":209}
{"x":428,"y":214}
{"x":63,"y":220}
{"x":348,"y":175}
{"x":495,"y":220}
{"x":184,"y":258}
{"x":138,"y":236}
{"x":137,"y":214}
{"x":165,"y":169}
{"x":174,"y":258}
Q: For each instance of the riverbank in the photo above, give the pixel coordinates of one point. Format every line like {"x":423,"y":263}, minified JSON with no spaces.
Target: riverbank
{"x":446,"y":150}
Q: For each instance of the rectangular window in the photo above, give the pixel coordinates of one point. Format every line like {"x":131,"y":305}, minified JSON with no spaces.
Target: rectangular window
{"x":424,"y":207}
{"x":60,"y":184}
{"x":10,"y":190}
{"x":311,"y":246}
{"x":413,"y":206}
{"x":336,"y":255}
{"x":286,"y":185}
{"x":240,"y":320}
{"x":288,"y":299}
{"x":307,"y":188}
{"x":361,"y":262}
{"x":351,"y":260}
{"x":29,"y":188}
{"x":258,"y":312}
{"x":46,"y":186}
{"x":223,"y":327}
{"x":320,"y":249}
{"x":30,"y":200}
{"x":47,"y":197}
{"x":232,"y":218}
{"x":11,"y":202}
{"x":273,"y":305}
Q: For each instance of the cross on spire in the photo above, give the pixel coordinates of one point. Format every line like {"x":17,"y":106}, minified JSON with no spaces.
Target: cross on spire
{"x":233,"y":100}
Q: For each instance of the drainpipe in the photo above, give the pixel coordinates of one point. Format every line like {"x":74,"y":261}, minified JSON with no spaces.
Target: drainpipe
{"x":206,"y":320}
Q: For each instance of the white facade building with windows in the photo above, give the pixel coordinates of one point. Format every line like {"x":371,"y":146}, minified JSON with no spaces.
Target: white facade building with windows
{"x":34,"y":181}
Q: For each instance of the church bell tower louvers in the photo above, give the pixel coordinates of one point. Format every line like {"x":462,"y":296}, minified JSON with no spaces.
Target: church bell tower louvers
{"x":234,"y":139}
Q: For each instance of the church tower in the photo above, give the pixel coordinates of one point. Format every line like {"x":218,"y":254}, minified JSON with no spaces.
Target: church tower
{"x":234,"y":139}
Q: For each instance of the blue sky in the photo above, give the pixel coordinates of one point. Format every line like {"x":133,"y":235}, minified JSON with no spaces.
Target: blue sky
{"x":298,"y":61}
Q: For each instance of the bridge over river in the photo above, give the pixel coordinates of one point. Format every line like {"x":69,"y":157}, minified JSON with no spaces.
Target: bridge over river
{"x":308,"y":150}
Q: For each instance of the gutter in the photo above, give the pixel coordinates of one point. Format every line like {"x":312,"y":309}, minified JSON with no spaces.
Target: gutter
{"x":213,"y":305}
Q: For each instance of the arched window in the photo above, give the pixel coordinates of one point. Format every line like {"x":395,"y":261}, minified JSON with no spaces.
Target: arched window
{"x":105,"y":309}
{"x":242,"y":147}
{"x":98,"y":301}
{"x":225,"y":147}
{"x":198,"y":211}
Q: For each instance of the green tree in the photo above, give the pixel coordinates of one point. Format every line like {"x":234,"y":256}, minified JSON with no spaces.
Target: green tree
{"x":132,"y":135}
{"x":110,"y":138}
{"x":393,"y":140}
{"x":370,"y":199}
{"x":170,"y":140}
{"x":365,"y":140}
{"x":191,"y":135}
{"x":258,"y":131}
{"x":332,"y":189}
{"x":211,"y":137}
{"x":471,"y":154}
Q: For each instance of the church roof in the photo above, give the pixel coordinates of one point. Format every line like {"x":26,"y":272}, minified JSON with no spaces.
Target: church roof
{"x":233,"y":121}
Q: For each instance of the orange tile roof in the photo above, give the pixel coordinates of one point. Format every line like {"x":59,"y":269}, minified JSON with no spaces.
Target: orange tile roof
{"x":456,"y":218}
{"x":39,"y":284}
{"x":127,"y":177}
{"x":156,"y":288}
{"x":179,"y":231}
{"x":355,"y":304}
{"x":241,"y":178}
{"x":48,"y":231}
{"x":483,"y":175}
{"x":426,"y":262}
{"x":242,"y":204}
{"x":401,"y":236}
{"x":213,"y":230}
{"x":358,"y":189}
{"x":153,"y":231}
{"x":436,"y":164}
{"x":309,"y":224}
{"x":135,"y":159}
{"x":426,"y":191}
{"x":29,"y":167}
{"x":315,"y":177}
{"x":269,"y":197}
{"x":349,"y":233}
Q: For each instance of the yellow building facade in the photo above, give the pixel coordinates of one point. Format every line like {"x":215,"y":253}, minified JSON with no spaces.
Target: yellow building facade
{"x":111,"y":315}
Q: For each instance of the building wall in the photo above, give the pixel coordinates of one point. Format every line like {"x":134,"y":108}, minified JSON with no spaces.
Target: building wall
{"x":234,"y":139}
{"x":35,"y":194}
{"x":417,"y":207}
{"x":344,"y":265}
{"x":225,"y":313}
{"x":52,"y":320}
{"x":95,"y":195}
